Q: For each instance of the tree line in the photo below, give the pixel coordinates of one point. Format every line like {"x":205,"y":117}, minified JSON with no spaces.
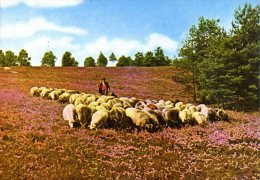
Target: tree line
{"x":49,"y":59}
{"x":224,"y":66}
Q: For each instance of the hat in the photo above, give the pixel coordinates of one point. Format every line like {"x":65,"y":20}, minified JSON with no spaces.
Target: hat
{"x":103,"y":78}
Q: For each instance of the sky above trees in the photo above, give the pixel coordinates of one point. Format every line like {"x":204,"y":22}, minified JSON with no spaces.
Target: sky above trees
{"x":87,"y":27}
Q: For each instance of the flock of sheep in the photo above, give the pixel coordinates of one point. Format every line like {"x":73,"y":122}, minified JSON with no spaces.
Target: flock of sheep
{"x":95,"y":111}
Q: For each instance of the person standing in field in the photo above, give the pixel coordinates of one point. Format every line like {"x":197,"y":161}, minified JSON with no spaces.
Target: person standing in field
{"x":103,"y":87}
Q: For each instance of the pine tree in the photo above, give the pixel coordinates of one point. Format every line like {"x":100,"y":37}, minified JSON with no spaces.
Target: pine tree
{"x":112,"y":58}
{"x":48,"y":59}
{"x":198,"y":48}
{"x":243,"y":63}
{"x":139,"y":59}
{"x":160,"y":59}
{"x":102,"y":60}
{"x":149,"y":59}
{"x":68,"y":60}
{"x":23,"y":59}
{"x":124,"y":61}
{"x":2,"y":58}
{"x":10,"y":59}
{"x":89,"y":62}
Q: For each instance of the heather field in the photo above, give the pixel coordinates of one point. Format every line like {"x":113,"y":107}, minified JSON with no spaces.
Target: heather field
{"x":36,"y":143}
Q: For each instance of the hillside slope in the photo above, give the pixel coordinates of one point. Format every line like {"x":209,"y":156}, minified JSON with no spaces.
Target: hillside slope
{"x":141,"y":82}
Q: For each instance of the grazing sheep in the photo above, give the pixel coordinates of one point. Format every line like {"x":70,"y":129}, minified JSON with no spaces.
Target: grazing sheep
{"x":192,"y":108}
{"x":222,"y":115}
{"x":169,"y":103}
{"x":171,"y":116}
{"x":160,"y":105}
{"x":93,"y":108}
{"x":117,"y":105}
{"x":90,"y":99}
{"x":54,"y":95}
{"x":78,"y":101}
{"x":82,"y":99}
{"x":69,"y":114}
{"x":153,"y":119}
{"x":103,"y":99}
{"x":204,"y":110}
{"x":118,"y":118}
{"x":40,"y":89}
{"x":116,"y":100}
{"x":140,"y":105}
{"x":106,"y":106}
{"x":110,"y":103}
{"x":84,"y":114}
{"x":133,"y":101}
{"x":34,"y":91}
{"x":138,"y":117}
{"x":200,"y":106}
{"x":73,"y":98}
{"x":161,"y":101}
{"x":99,"y":119}
{"x":64,"y":97}
{"x":186,"y":116}
{"x":45,"y":92}
{"x":179,"y":105}
{"x":126,"y":104}
{"x":199,"y":117}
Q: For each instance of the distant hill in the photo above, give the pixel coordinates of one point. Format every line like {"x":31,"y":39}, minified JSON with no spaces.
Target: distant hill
{"x":140,"y":82}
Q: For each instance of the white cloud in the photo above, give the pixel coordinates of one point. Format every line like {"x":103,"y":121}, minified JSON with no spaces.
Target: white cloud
{"x":118,"y":46}
{"x":37,"y":47}
{"x":128,"y":47}
{"x":40,"y":3}
{"x":33,"y":26}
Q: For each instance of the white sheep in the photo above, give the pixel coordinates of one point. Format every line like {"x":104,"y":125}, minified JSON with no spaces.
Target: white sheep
{"x":117,"y":100}
{"x":199,"y":117}
{"x":117,"y":117}
{"x":106,"y":106}
{"x":40,"y":89}
{"x":45,"y":92}
{"x":64,"y":97}
{"x":126,"y":104}
{"x":221,"y":114}
{"x":171,"y":116}
{"x":84,"y":114}
{"x":138,"y":117}
{"x":199,"y":107}
{"x":179,"y":105}
{"x":54,"y":95}
{"x":117,"y":105}
{"x":73,"y":98}
{"x":34,"y":91}
{"x":133,"y":101}
{"x":153,"y":118}
{"x":99,"y":119}
{"x":69,"y":114}
{"x":91,"y":99}
{"x":140,"y":105}
{"x":169,"y":103}
{"x":186,"y":116}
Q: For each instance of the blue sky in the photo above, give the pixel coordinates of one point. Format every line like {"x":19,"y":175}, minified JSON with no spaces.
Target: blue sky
{"x":86,"y":27}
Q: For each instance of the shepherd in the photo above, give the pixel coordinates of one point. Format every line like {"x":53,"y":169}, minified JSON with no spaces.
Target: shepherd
{"x":103,"y":87}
